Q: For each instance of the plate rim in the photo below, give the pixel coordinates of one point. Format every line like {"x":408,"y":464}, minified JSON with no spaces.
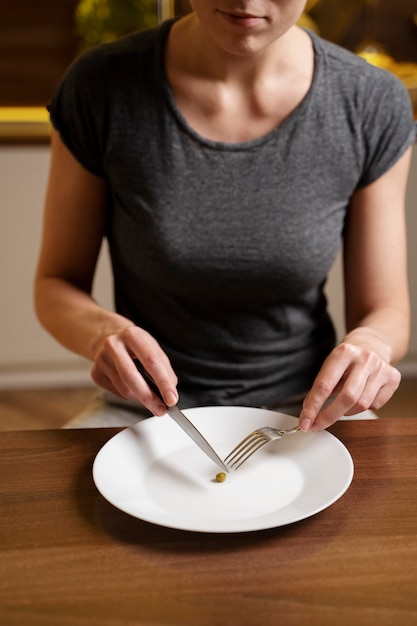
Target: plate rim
{"x":195,"y":412}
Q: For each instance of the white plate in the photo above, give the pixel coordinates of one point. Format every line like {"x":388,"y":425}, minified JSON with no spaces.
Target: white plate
{"x":154,"y":472}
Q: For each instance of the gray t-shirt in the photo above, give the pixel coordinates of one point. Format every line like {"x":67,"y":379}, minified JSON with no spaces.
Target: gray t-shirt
{"x":221,"y":250}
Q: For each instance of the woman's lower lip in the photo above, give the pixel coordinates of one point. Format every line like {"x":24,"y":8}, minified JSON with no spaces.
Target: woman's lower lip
{"x":246,"y":21}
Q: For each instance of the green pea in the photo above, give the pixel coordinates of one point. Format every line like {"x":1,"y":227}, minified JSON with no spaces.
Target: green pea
{"x":221,"y":477}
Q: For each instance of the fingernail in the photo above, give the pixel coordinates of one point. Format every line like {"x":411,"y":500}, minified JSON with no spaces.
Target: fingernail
{"x":171,"y":398}
{"x":305,"y":424}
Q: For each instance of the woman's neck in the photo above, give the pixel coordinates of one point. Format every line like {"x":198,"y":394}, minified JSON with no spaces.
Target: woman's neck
{"x":236,"y":98}
{"x":191,"y":48}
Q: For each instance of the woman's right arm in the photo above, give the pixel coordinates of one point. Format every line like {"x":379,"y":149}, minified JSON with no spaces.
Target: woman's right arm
{"x":73,"y":230}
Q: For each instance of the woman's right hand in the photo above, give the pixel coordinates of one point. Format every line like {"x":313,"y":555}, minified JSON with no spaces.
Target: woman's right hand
{"x":115,"y":371}
{"x":75,"y":220}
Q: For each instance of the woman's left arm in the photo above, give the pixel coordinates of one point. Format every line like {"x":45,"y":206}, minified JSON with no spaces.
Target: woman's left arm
{"x":359,"y":373}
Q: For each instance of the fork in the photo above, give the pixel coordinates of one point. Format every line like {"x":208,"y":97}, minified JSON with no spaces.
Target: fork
{"x":254,"y":442}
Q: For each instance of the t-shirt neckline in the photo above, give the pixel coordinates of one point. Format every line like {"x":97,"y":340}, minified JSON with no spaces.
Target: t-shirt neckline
{"x":231,"y":146}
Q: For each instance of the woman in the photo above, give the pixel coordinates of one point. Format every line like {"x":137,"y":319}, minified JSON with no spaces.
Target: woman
{"x":225,"y":156}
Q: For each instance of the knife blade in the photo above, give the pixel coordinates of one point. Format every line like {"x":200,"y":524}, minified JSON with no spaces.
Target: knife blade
{"x":182,"y":420}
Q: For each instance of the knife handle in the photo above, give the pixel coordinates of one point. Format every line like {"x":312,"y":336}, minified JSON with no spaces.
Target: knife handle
{"x":149,"y":380}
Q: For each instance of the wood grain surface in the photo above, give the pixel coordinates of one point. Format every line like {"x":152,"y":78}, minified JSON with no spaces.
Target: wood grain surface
{"x":67,"y":557}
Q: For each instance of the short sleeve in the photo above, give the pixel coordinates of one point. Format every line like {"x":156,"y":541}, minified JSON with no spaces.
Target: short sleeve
{"x":78,"y":109}
{"x":388,"y":124}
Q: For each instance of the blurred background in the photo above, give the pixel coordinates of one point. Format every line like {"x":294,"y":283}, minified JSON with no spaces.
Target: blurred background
{"x":39,"y":38}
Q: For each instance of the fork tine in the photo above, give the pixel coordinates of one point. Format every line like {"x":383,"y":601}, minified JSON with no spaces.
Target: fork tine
{"x":241,"y":444}
{"x":248,"y":453}
{"x":245,"y":449}
{"x":253,"y":442}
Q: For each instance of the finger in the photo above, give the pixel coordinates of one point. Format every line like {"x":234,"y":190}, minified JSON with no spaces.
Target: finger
{"x":155,"y":361}
{"x":137,"y":387}
{"x":381,"y":384}
{"x":376,"y":400}
{"x":351,"y":394}
{"x":385,"y":393}
{"x":355,"y":395}
{"x":377,"y":389}
{"x":104,"y":382}
{"x":158,"y":374}
{"x":328,"y":381}
{"x":349,"y":372}
{"x":105,"y":373}
{"x":114,"y":370}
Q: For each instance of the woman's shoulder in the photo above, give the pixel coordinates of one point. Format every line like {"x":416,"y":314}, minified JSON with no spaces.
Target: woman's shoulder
{"x":347,"y":67}
{"x":356,"y":84}
{"x":136,"y":48}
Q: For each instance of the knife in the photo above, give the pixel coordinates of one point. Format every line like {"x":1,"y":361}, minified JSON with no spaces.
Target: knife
{"x":178,"y":416}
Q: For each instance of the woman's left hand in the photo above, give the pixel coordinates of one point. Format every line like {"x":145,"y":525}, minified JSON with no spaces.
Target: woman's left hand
{"x":359,"y":374}
{"x":354,"y":377}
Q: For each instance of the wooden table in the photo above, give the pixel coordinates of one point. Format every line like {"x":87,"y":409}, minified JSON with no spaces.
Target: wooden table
{"x":67,"y":557}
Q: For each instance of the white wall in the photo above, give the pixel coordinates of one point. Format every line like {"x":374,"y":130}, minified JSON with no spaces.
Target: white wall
{"x":28,"y":355}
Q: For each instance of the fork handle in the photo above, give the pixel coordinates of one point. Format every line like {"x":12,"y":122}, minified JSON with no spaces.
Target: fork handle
{"x":287,"y":431}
